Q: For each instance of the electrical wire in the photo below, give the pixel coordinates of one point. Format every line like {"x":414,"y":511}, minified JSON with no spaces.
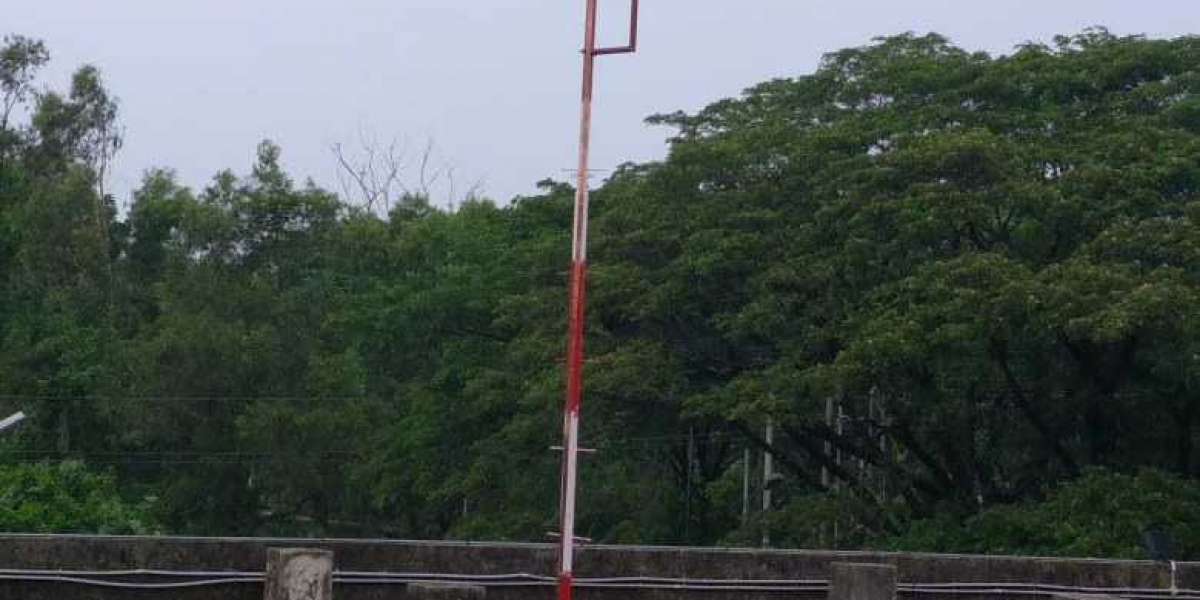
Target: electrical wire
{"x":131,"y":573}
{"x":132,"y":585}
{"x":170,"y":398}
{"x":232,"y":457}
{"x":220,"y":578}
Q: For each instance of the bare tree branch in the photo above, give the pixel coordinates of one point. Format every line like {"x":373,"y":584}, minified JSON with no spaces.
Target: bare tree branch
{"x":373,"y":175}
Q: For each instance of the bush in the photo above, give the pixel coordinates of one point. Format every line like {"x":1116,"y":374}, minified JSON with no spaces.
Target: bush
{"x":1100,"y":514}
{"x":65,"y":498}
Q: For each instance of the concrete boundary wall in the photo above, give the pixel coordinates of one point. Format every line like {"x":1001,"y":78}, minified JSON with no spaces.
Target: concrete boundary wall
{"x":230,"y":554}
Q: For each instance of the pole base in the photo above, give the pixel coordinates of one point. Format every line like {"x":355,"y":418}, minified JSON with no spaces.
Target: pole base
{"x":566,"y":586}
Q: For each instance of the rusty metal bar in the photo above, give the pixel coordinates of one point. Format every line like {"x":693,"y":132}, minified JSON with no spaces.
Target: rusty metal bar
{"x":631,"y":46}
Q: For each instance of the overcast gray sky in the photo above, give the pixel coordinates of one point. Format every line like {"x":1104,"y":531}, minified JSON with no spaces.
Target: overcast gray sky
{"x":494,"y":82}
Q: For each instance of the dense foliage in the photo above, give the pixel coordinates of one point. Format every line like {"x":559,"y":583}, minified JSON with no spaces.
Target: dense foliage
{"x":1098,"y":514}
{"x":66,"y":498}
{"x":951,"y":281}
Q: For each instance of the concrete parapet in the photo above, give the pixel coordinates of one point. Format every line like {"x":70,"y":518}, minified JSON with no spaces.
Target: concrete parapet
{"x":862,"y":581}
{"x":99,"y":553}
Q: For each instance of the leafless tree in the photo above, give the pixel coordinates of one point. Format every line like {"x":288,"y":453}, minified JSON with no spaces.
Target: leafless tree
{"x":380,"y":175}
{"x":374,"y":174}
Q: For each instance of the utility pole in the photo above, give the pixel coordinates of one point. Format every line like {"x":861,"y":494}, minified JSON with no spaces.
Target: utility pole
{"x":691,"y":468}
{"x":841,"y":431}
{"x":768,"y":476}
{"x":578,"y":293}
{"x":828,"y":445}
{"x":745,"y":485}
{"x":825,"y":478}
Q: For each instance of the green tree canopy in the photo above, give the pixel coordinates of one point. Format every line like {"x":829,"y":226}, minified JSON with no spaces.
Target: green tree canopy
{"x":66,"y":498}
{"x":959,"y":286}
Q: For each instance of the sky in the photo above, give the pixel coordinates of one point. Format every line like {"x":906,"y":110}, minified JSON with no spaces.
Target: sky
{"x":492,"y":84}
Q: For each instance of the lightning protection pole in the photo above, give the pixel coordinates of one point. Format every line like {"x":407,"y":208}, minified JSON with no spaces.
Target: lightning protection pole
{"x":578,"y":294}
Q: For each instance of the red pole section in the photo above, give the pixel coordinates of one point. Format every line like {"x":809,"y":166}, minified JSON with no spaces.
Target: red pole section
{"x":576,"y":317}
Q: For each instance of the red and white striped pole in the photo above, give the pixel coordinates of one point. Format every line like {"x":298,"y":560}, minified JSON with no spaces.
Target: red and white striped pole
{"x":578,"y":299}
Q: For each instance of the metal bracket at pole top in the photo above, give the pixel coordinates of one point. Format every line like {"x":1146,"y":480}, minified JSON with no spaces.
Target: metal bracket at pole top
{"x":631,"y":46}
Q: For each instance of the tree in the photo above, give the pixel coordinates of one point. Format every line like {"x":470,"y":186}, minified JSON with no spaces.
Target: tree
{"x":1099,"y":514}
{"x":956,"y":284}
{"x":20,"y":59}
{"x":66,"y":498}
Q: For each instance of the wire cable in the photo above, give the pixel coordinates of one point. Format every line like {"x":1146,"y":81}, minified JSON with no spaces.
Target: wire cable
{"x":208,"y":578}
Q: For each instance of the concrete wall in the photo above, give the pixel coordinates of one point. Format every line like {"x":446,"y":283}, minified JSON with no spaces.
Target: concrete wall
{"x":207,"y":554}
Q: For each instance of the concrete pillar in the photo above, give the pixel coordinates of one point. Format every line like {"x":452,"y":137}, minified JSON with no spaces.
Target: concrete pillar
{"x":444,"y":591}
{"x":299,"y":574}
{"x":861,"y":581}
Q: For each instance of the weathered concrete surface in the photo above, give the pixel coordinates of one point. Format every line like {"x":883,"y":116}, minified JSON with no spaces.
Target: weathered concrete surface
{"x":299,"y":574}
{"x":445,"y":591}
{"x":107,"y":553}
{"x":862,"y":581}
{"x":1073,"y":596}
